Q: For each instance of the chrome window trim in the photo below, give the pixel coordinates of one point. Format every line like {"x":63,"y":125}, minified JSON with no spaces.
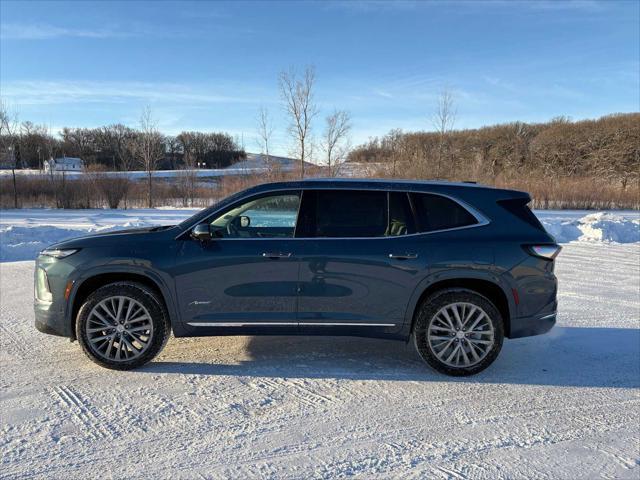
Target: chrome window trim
{"x":479,"y":216}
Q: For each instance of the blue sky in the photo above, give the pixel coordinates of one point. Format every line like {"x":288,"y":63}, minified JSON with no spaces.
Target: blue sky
{"x":211,"y":65}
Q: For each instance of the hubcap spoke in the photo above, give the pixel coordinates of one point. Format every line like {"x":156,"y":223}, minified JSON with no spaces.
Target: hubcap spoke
{"x":110,"y":337}
{"x":460,"y":334}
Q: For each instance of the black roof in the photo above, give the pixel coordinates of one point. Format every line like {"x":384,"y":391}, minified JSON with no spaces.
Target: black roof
{"x":436,"y":186}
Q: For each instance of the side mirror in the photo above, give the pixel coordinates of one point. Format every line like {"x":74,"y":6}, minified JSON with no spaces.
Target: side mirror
{"x":201,"y":232}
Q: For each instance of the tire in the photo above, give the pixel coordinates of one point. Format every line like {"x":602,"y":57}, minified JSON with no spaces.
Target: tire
{"x":477,"y":346}
{"x":141,"y":333}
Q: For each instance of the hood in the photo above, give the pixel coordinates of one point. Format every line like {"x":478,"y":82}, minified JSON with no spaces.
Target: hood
{"x":133,"y":235}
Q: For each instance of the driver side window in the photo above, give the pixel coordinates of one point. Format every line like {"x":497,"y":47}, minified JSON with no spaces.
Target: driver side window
{"x":273,"y":216}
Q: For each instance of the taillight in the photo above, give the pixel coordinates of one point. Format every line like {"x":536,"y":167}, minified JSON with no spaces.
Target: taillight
{"x":545,"y":251}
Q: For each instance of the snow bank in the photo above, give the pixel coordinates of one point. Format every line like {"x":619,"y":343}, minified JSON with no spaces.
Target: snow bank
{"x":594,"y":227}
{"x":24,"y":243}
{"x":23,"y":233}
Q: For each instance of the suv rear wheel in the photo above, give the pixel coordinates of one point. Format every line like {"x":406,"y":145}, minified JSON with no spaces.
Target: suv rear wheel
{"x":122,"y":325}
{"x":458,"y":332}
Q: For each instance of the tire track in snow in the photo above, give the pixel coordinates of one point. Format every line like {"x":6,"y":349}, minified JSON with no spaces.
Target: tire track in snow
{"x":15,"y":343}
{"x":297,"y":389}
{"x":82,"y":412}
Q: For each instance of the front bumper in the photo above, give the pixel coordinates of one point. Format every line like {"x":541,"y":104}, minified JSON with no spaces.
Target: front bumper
{"x":51,"y":320}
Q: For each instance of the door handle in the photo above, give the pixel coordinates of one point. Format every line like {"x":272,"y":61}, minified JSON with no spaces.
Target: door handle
{"x":403,"y":256}
{"x":276,"y":255}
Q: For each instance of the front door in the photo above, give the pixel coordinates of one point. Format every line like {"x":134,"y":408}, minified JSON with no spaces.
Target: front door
{"x":246,"y":276}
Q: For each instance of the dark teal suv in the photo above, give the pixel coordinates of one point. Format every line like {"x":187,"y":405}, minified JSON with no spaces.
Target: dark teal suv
{"x":454,"y":267}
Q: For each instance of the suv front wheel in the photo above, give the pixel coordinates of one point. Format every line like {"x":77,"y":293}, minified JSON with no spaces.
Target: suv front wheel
{"x":458,"y":332}
{"x":122,"y":325}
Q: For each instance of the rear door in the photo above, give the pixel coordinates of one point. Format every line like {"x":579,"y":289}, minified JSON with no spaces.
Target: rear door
{"x":358,"y":261}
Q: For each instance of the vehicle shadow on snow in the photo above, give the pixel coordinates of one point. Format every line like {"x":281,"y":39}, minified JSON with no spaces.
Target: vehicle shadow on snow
{"x":567,"y":356}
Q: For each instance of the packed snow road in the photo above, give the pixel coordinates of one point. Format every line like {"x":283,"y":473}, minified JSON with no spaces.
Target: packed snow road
{"x":563,"y":405}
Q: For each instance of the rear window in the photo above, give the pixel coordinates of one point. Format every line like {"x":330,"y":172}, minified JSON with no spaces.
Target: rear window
{"x":440,"y":213}
{"x":519,"y":208}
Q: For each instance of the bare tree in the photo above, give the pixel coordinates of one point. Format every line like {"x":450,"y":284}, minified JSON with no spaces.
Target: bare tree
{"x":297,"y":96}
{"x":265,"y":132}
{"x":336,"y":139}
{"x":149,"y":149}
{"x":9,"y":135}
{"x":443,"y":121}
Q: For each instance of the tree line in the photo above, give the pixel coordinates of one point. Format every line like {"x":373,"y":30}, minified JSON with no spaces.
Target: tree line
{"x":605,"y":150}
{"x":116,"y":147}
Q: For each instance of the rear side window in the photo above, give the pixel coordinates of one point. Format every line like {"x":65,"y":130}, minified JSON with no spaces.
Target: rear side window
{"x":343,"y":213}
{"x":519,"y":208}
{"x":440,"y":213}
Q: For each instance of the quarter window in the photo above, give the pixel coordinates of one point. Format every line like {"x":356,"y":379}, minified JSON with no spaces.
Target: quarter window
{"x":265,"y":217}
{"x":436,"y":212}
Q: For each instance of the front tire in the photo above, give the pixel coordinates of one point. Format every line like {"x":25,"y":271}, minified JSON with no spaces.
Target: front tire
{"x":122,"y":325}
{"x":458,"y":332}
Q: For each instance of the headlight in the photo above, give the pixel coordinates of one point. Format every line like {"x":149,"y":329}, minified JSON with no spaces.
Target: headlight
{"x":43,"y":292}
{"x":58,"y":252}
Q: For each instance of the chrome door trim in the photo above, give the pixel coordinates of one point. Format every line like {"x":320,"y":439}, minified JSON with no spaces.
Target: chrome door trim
{"x":241,"y":324}
{"x":277,"y":324}
{"x":332,"y":324}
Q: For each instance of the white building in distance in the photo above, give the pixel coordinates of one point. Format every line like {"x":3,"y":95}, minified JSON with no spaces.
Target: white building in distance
{"x":63,"y":164}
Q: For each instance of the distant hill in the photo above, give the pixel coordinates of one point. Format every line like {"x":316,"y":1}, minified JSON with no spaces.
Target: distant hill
{"x":257,"y":161}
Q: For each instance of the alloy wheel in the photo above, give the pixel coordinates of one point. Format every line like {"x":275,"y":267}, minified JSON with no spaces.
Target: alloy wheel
{"x":460,"y":334}
{"x":119,"y":328}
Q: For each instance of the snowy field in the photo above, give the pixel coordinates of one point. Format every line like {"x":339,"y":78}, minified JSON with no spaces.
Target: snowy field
{"x":564,"y":405}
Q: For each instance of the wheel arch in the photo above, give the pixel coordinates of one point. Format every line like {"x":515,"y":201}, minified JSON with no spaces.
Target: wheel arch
{"x":90,"y":283}
{"x":486,"y":287}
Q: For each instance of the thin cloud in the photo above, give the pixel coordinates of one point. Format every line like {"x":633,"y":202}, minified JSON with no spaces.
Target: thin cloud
{"x":53,"y":93}
{"x":376,"y":6}
{"x":20,"y":31}
{"x":382,"y":93}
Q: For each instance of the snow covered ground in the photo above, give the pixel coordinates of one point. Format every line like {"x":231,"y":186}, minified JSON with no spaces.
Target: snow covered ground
{"x":23,"y":233}
{"x":564,"y":405}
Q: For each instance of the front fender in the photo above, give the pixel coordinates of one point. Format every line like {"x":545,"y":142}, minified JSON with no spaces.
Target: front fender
{"x":162,"y":280}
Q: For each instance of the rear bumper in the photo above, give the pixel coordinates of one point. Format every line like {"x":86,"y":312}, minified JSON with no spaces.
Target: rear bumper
{"x":530,"y":326}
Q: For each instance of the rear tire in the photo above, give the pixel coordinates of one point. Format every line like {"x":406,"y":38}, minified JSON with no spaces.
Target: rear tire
{"x":458,"y":332}
{"x":122,"y":325}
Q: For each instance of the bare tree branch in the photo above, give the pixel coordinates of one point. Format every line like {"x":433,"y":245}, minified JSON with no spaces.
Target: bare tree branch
{"x":9,"y":135}
{"x":297,"y":96}
{"x":336,"y":139}
{"x":149,"y":149}
{"x":265,"y":132}
{"x":443,"y":121}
